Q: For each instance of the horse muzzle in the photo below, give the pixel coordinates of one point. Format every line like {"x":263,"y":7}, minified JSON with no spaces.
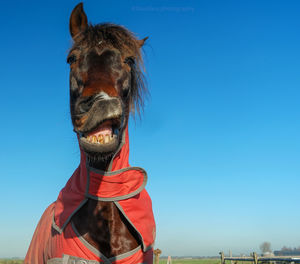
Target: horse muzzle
{"x":100,"y":127}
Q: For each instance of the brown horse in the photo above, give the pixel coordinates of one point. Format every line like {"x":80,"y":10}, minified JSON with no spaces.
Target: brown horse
{"x":104,"y":214}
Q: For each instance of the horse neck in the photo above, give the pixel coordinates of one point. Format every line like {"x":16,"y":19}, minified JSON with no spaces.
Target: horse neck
{"x":100,"y":164}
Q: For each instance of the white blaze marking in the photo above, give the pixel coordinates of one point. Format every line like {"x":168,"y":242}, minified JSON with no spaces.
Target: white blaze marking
{"x":103,"y":95}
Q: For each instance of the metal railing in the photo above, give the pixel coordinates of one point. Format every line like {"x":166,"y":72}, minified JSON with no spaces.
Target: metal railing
{"x":255,"y":259}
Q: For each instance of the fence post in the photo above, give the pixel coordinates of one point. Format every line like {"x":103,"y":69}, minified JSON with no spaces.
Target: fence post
{"x":255,"y":258}
{"x":157,"y":253}
{"x":222,"y":257}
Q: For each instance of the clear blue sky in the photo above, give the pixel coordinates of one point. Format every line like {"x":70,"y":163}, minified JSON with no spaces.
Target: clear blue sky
{"x":220,"y":135}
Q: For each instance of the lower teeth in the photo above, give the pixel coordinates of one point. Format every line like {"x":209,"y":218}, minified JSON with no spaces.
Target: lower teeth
{"x":101,"y":139}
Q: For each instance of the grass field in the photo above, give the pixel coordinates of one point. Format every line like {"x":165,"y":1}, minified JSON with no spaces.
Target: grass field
{"x":191,"y":261}
{"x":199,"y":261}
{"x":163,"y":261}
{"x":11,"y":261}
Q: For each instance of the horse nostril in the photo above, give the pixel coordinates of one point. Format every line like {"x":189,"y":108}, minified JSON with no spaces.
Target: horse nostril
{"x":84,"y":104}
{"x":83,"y":108}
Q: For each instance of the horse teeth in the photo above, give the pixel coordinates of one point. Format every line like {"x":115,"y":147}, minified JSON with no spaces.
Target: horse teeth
{"x":100,"y":139}
{"x":106,"y":139}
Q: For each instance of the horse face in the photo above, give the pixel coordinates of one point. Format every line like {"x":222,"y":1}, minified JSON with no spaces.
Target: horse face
{"x":103,"y":82}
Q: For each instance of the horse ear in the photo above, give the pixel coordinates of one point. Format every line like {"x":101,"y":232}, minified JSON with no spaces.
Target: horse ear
{"x":78,"y":20}
{"x":141,"y":42}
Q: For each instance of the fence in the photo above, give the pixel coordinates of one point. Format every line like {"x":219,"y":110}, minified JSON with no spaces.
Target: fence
{"x":255,"y":259}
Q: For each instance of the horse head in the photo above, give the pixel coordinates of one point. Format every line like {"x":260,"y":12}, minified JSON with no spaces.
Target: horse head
{"x":106,"y":83}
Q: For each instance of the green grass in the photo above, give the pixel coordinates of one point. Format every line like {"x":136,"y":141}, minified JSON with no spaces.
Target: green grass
{"x":162,"y":261}
{"x":11,"y":261}
{"x":191,"y":261}
{"x":200,"y":261}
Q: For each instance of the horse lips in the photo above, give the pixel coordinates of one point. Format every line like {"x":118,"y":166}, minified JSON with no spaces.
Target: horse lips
{"x":103,"y":134}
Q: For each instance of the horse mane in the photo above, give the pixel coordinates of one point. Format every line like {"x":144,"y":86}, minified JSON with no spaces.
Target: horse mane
{"x":118,"y":37}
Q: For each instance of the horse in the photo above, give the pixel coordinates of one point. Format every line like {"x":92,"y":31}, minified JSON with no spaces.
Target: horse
{"x":103,"y":214}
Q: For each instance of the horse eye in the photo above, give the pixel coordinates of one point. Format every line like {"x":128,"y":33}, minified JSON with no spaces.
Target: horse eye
{"x":130,"y":61}
{"x":71,"y":59}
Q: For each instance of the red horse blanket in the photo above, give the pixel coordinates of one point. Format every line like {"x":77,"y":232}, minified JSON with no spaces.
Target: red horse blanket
{"x":56,"y":239}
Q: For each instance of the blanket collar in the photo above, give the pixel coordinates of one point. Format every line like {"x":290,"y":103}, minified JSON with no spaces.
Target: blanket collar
{"x":120,"y":182}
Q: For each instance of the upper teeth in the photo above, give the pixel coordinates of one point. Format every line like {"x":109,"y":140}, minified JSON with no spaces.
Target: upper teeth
{"x":101,"y":139}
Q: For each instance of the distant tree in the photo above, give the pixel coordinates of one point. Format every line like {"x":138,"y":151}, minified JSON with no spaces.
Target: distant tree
{"x":265,"y":247}
{"x":288,"y":251}
{"x":285,"y":249}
